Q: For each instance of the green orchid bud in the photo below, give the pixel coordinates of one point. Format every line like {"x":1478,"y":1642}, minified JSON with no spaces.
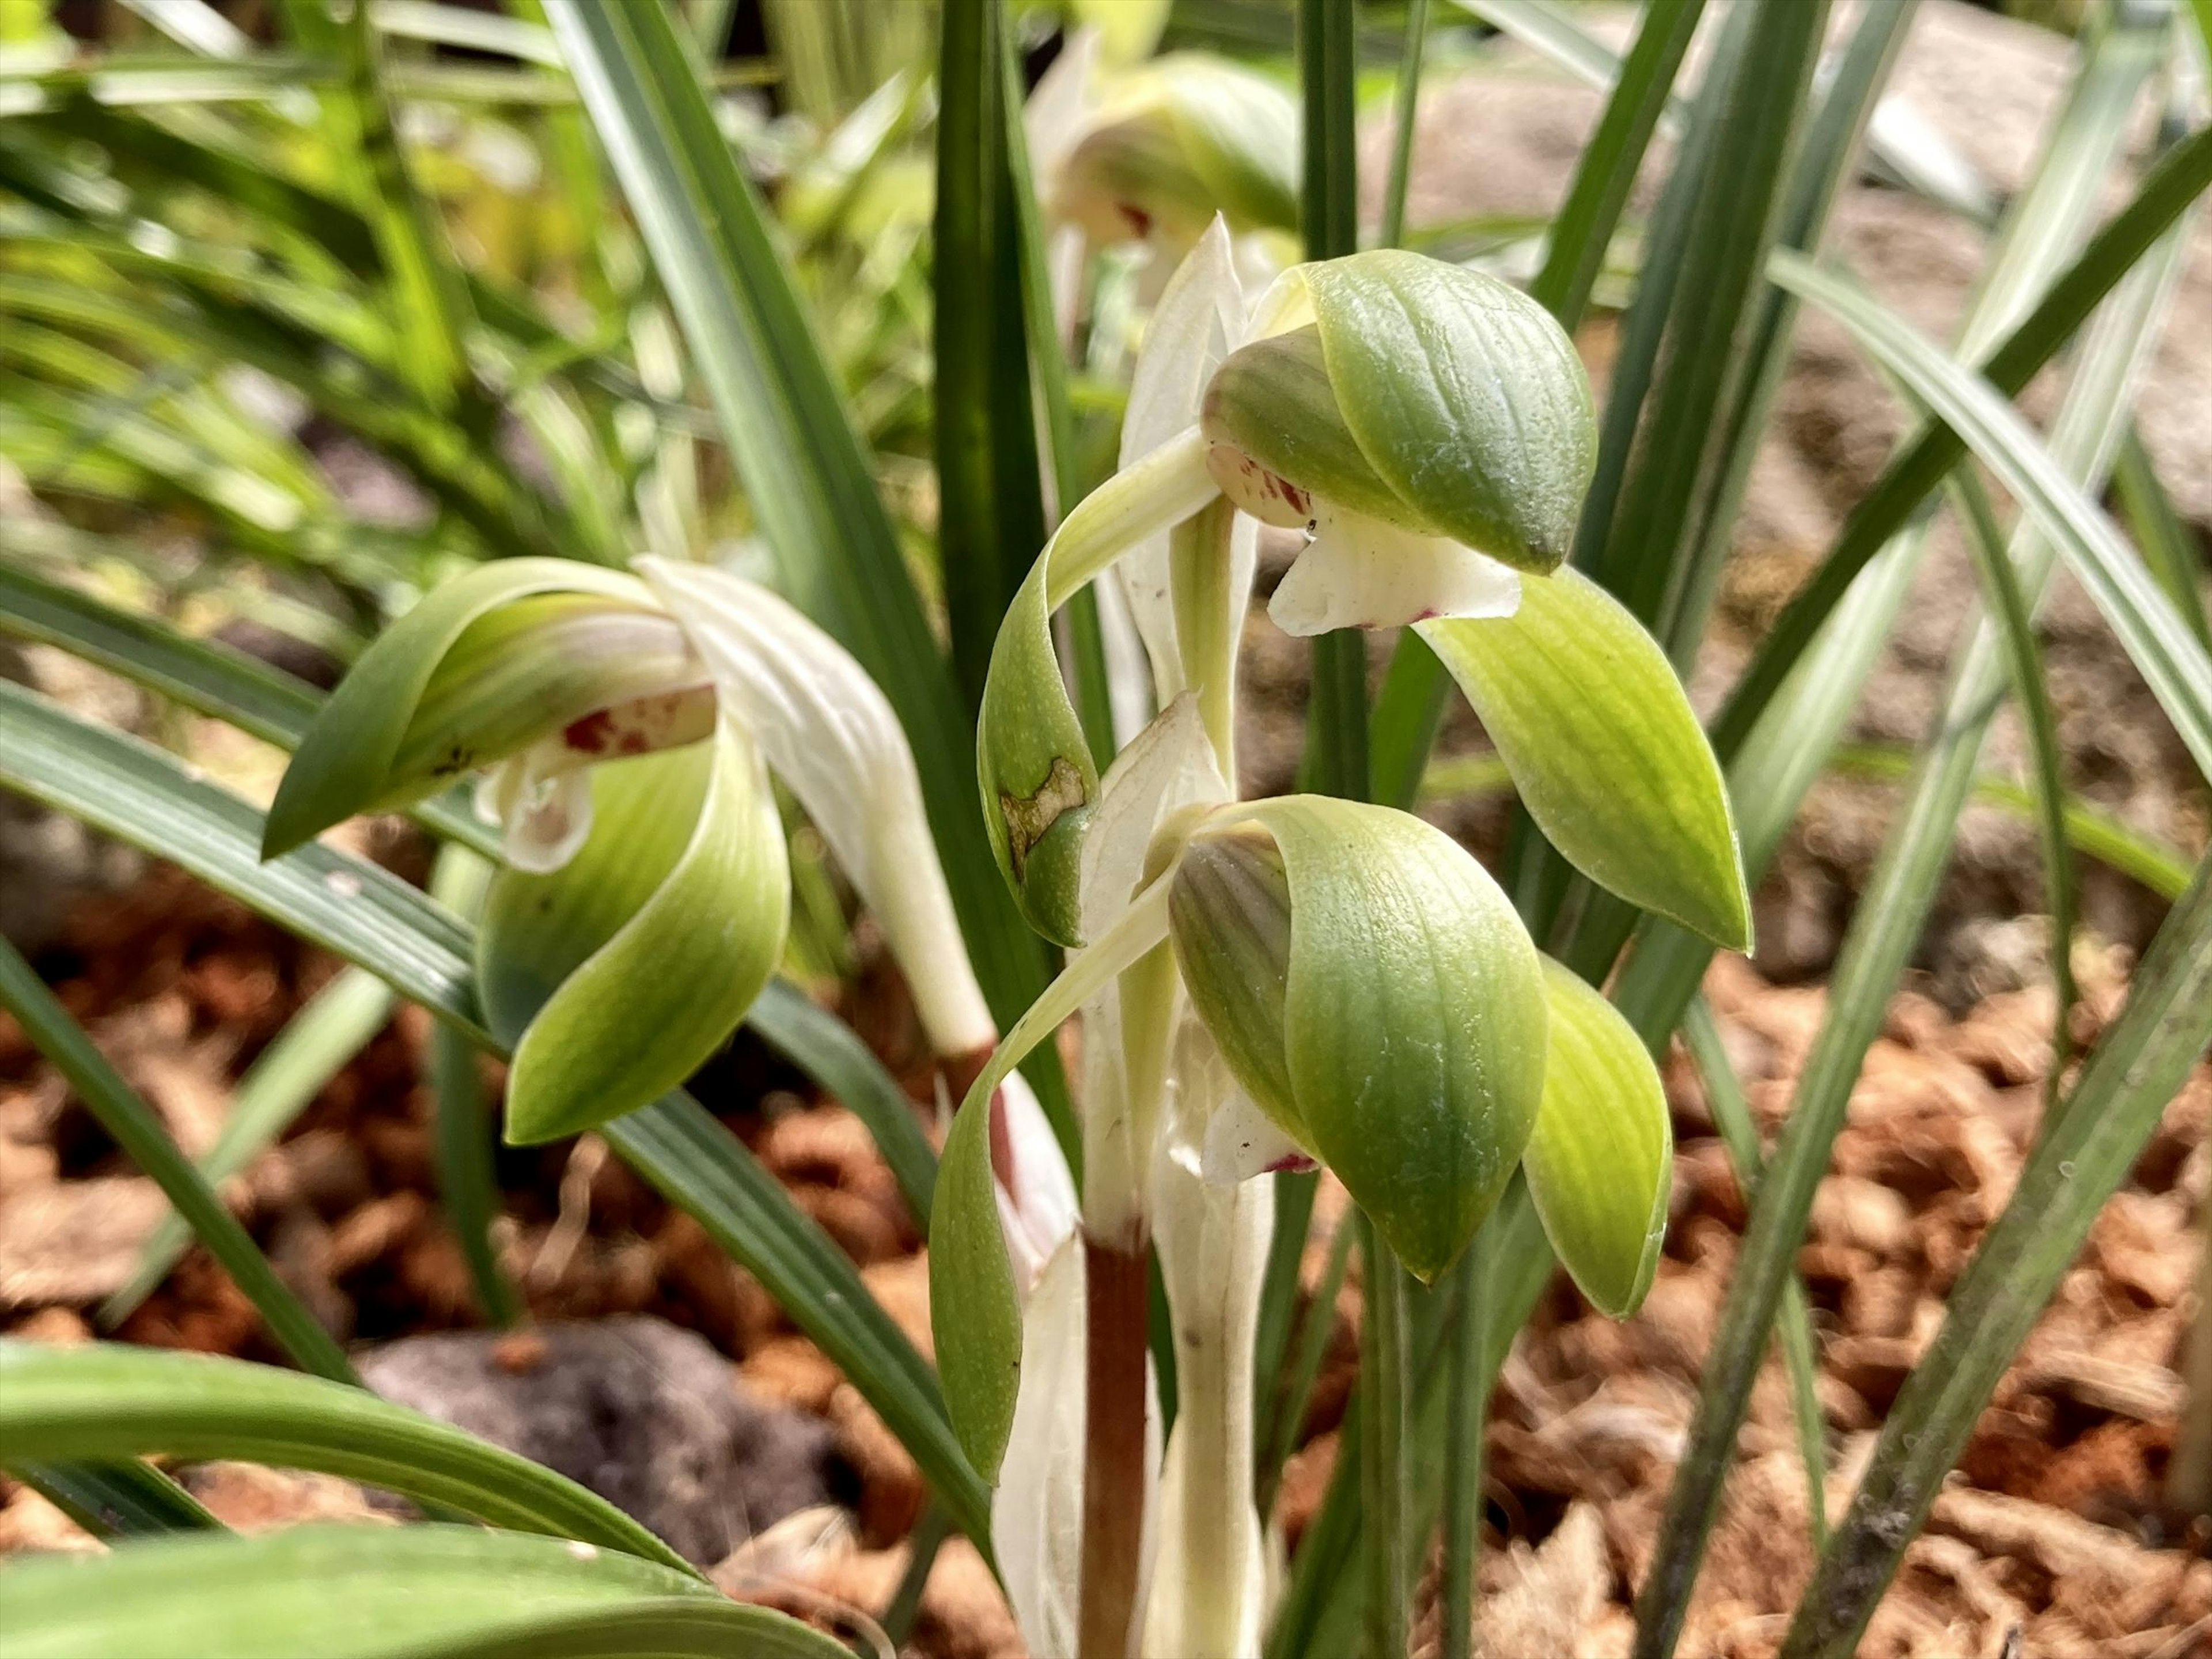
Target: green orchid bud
{"x":573,"y":662}
{"x":1173,"y":143}
{"x":1372,"y":991}
{"x":1422,"y":396}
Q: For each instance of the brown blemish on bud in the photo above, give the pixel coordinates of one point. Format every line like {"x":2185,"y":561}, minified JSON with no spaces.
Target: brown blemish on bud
{"x":1030,"y":818}
{"x":1266,"y":495}
{"x":664,"y":719}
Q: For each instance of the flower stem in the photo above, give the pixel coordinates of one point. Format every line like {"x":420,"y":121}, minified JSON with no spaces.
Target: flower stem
{"x":1118,"y":1294}
{"x":1384,"y":1401}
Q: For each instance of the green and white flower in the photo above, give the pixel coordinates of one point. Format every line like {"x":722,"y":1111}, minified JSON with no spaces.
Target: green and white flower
{"x":668,"y":700}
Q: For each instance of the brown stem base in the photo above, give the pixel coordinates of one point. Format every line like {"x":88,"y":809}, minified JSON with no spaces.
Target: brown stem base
{"x":1117,"y":1290}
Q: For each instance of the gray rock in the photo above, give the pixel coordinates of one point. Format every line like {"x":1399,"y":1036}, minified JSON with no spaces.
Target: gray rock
{"x":646,"y":1415}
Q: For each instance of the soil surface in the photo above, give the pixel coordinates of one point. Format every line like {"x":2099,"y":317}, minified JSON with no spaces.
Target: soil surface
{"x":771,"y":1469}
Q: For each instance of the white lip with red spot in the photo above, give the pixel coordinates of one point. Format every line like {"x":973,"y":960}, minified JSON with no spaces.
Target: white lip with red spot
{"x":1359,"y":572}
{"x":664,"y":719}
{"x":1267,"y":497}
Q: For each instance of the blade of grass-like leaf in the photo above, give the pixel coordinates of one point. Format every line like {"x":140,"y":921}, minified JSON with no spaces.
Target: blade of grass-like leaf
{"x":103,"y":1401}
{"x":2170,"y":659}
{"x":2167,"y":189}
{"x":360,"y":913}
{"x":138,"y":1131}
{"x":2008,"y":606}
{"x":330,"y":1591}
{"x":1793,"y":1329}
{"x":1415,"y":692}
{"x":1876,"y":946}
{"x":1832,"y":143}
{"x":326,"y":1033}
{"x":203,"y":675}
{"x":1287,"y":1408}
{"x":1466,"y":1422}
{"x":2091,"y":831}
{"x":802,"y":467}
{"x":1404,"y":106}
{"x":427,"y":292}
{"x":1279,"y":1288}
{"x":1702,"y":363}
{"x":457,"y":25}
{"x":463,"y":1125}
{"x":824,"y":1046}
{"x":130,"y":1499}
{"x":2086,"y":1149}
{"x":1780,"y":724}
{"x":991,"y":512}
{"x":2168,"y":548}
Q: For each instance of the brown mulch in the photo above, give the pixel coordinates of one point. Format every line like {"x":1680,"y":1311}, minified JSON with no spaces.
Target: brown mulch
{"x":2052,"y":1536}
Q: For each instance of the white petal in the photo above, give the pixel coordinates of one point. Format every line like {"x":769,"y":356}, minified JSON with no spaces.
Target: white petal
{"x":1060,"y":107}
{"x":1359,"y":572}
{"x":829,"y":733}
{"x":543,"y":798}
{"x":1209,"y":1589}
{"x":1037,"y":1206}
{"x":1168,"y":765}
{"x":1198,"y":321}
{"x":1037,"y":1513}
{"x":1242,"y":1141}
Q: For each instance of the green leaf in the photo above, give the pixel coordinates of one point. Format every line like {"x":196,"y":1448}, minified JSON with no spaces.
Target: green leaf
{"x":1605,"y":748}
{"x":2087,"y":1147}
{"x":1600,"y":1163}
{"x":981,"y":1361}
{"x":617,"y":975}
{"x":1466,"y":396}
{"x":329,"y":1031}
{"x":991,"y":516}
{"x":1414,"y":1010}
{"x":345,"y":764}
{"x":352,"y":1592}
{"x":2169,"y":658}
{"x":129,"y":1499}
{"x":101,"y":1401}
{"x":135,"y":1127}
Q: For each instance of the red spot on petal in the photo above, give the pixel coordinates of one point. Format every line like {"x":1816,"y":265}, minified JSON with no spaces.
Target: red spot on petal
{"x":1289,"y":1162}
{"x":591,"y":735}
{"x":1139,"y":221}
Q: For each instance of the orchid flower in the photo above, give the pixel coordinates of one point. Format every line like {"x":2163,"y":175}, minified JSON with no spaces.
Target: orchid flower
{"x":626,"y":728}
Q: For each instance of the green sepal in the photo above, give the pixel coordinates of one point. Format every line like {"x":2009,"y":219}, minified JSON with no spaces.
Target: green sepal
{"x":1240,"y":130}
{"x":1605,"y":749}
{"x":345,"y":765}
{"x":973,"y":1307}
{"x":1272,"y":400}
{"x":1039,"y":782}
{"x":615,"y":976}
{"x":1413,"y":1019}
{"x":1601,"y":1160}
{"x":1040,"y":785}
{"x":1229,"y":914}
{"x":1465,"y":395}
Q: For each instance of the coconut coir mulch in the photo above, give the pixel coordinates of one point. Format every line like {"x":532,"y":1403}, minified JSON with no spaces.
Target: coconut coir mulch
{"x":2050,"y":1541}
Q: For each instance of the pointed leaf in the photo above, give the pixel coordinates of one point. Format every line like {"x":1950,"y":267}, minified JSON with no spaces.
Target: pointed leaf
{"x":1605,"y":749}
{"x":1414,"y":1019}
{"x":1601,"y":1161}
{"x":352,"y":1592}
{"x":647,"y":948}
{"x":105,"y":1401}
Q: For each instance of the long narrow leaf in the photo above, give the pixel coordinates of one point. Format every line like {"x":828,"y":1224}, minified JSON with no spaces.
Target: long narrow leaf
{"x":129,"y":1499}
{"x":2170,"y":658}
{"x":351,"y":1592}
{"x":2085,"y":1152}
{"x":104,"y":1401}
{"x":138,"y":1131}
{"x":327,"y":1032}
